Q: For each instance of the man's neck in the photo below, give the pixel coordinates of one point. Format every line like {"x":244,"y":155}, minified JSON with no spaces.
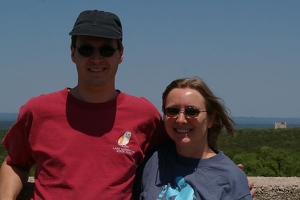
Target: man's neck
{"x":94,"y":95}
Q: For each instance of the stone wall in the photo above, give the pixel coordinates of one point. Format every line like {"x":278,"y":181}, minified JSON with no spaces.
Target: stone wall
{"x":277,"y":188}
{"x":267,"y":188}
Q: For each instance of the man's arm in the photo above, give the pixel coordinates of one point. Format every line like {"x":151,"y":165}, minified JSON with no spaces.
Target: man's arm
{"x":250,"y":182}
{"x":12,"y":180}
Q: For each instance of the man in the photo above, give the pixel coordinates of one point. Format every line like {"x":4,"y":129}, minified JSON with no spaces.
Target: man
{"x":85,"y":141}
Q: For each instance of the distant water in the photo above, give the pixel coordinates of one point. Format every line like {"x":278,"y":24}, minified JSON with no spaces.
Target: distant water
{"x":8,"y":119}
{"x":6,"y":124}
{"x":8,"y":116}
{"x":264,"y":123}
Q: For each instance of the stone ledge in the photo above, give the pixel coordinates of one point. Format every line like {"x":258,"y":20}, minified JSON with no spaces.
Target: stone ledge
{"x":267,"y":188}
{"x":277,"y":188}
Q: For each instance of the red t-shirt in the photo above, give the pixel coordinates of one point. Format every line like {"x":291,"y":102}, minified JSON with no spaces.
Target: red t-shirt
{"x":83,"y":150}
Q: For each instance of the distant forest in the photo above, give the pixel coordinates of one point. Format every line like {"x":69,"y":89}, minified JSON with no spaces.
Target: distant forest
{"x":263,"y":152}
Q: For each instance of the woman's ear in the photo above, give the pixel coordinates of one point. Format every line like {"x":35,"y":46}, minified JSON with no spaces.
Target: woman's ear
{"x":211,"y":119}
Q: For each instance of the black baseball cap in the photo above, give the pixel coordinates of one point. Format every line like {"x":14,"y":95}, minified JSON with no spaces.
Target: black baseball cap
{"x":98,"y":23}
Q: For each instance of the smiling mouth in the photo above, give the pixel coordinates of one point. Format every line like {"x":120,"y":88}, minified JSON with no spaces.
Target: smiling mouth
{"x":183,"y":130}
{"x":97,"y":70}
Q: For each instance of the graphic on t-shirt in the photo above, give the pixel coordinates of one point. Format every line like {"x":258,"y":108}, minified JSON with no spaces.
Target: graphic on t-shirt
{"x":182,"y":191}
{"x":124,"y":139}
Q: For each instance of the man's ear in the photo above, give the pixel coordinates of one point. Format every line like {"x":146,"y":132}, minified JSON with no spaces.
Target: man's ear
{"x":121,"y":54}
{"x":72,"y":52}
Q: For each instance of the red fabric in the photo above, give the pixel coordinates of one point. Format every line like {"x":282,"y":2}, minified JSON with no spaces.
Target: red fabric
{"x":75,"y":144}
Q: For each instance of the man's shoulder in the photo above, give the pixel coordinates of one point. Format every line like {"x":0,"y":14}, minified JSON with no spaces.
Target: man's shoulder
{"x":127,"y":95}
{"x":136,"y":101}
{"x":48,"y":95}
{"x":46,"y":98}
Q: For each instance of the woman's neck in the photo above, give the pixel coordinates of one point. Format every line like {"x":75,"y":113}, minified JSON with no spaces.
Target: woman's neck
{"x":198,"y":153}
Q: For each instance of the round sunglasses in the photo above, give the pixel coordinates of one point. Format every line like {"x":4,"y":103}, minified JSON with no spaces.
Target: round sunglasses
{"x":88,"y":50}
{"x":188,"y":112}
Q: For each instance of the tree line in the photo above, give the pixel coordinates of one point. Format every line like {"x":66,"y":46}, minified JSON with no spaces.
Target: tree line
{"x":264,"y":152}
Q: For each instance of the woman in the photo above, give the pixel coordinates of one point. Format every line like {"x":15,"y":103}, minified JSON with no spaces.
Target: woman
{"x":192,"y":168}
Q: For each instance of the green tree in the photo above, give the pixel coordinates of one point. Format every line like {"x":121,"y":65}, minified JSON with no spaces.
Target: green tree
{"x":251,"y":162}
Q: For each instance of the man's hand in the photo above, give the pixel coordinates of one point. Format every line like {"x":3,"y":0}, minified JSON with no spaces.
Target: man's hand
{"x":250,"y":182}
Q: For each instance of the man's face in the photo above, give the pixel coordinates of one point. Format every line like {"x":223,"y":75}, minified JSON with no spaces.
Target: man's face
{"x":96,"y":70}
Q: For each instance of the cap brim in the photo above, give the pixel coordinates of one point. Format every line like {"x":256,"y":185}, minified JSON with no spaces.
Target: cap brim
{"x":91,"y":31}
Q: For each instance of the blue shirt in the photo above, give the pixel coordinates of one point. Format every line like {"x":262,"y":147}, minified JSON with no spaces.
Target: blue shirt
{"x":170,"y":176}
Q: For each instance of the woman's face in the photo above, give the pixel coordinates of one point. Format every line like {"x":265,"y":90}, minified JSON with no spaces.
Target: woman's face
{"x":186,"y":131}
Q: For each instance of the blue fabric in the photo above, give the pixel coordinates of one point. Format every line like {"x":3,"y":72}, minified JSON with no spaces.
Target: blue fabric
{"x":169,"y":176}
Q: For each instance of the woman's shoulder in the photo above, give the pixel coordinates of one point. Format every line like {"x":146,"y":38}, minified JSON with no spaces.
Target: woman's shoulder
{"x":163,"y":153}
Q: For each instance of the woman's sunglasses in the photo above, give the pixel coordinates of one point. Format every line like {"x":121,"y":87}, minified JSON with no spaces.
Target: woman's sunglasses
{"x":87,"y":50}
{"x":188,"y":112}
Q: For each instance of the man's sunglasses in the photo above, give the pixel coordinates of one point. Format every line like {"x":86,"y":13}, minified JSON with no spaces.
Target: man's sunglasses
{"x":188,"y":112}
{"x":87,"y":50}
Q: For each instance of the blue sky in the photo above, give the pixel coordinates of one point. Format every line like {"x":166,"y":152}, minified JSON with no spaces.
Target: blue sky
{"x":246,"y":51}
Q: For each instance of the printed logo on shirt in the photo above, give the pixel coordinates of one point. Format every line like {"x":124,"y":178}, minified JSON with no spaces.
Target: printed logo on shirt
{"x":182,"y":191}
{"x":124,"y":139}
{"x":122,"y":142}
